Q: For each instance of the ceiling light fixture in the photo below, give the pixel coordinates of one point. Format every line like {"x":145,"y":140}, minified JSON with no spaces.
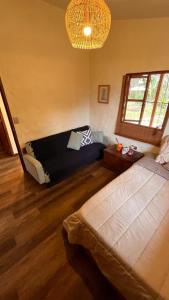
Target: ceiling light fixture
{"x":88,"y":23}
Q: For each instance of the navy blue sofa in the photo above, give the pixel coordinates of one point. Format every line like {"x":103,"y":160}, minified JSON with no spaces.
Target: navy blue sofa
{"x":57,"y":160}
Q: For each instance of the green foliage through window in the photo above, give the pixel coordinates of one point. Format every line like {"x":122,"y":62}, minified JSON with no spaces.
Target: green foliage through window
{"x":147,"y":99}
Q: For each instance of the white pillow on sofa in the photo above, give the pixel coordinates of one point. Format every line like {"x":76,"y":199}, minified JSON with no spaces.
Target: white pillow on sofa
{"x":97,"y":136}
{"x":163,"y":156}
{"x":74,"y":141}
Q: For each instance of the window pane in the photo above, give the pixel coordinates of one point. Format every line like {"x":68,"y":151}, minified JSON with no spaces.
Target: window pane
{"x":164,"y":91}
{"x":137,"y":88}
{"x":159,"y":115}
{"x":133,"y":111}
{"x":147,"y":114}
{"x":154,"y":80}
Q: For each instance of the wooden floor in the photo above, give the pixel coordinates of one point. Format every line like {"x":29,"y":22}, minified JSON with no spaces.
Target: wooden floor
{"x":36,"y":260}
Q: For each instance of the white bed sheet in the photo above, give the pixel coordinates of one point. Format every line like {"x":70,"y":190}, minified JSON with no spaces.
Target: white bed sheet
{"x":125,"y":226}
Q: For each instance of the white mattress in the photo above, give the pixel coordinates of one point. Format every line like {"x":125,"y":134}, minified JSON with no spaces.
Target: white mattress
{"x":125,"y":226}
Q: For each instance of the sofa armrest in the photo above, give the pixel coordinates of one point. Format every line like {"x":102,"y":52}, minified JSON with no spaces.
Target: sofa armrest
{"x":34,"y":167}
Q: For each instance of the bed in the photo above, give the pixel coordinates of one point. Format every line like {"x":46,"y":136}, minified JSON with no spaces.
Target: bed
{"x":125,"y":226}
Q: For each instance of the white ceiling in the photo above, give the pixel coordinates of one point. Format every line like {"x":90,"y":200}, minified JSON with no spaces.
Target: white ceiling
{"x":130,"y":9}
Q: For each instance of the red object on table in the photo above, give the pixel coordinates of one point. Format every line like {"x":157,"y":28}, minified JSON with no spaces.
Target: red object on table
{"x":119,"y":147}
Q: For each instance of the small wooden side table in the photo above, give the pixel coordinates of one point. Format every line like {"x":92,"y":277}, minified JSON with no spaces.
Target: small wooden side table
{"x":118,"y":162}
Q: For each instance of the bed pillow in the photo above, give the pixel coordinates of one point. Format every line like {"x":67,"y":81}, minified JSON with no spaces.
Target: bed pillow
{"x":86,"y":137}
{"x":163,"y":156}
{"x":75,"y":141}
{"x":97,"y":136}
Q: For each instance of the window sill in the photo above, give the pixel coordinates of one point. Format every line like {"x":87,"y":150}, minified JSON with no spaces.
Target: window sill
{"x":147,"y":135}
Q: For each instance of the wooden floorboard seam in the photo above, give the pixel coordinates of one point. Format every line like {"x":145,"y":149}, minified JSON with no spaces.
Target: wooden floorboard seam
{"x":36,"y":260}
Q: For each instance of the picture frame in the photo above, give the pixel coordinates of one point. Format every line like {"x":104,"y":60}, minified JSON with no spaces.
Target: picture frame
{"x":103,"y":94}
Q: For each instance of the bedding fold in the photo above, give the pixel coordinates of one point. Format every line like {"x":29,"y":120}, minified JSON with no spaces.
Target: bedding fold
{"x":125,"y":226}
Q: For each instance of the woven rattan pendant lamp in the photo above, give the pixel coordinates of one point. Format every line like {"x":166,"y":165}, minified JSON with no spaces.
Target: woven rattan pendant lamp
{"x":88,"y":23}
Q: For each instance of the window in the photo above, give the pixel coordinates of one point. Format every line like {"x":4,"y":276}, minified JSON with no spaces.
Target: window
{"x":144,"y":106}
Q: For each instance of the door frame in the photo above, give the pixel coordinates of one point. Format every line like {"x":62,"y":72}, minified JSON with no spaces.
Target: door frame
{"x":9,"y":150}
{"x":5,"y":101}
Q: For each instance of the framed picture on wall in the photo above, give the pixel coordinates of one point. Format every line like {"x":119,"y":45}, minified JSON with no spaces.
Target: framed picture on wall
{"x":103,"y":93}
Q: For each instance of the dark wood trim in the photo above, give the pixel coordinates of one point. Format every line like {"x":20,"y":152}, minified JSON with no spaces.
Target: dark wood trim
{"x":4,"y":98}
{"x":156,"y":99}
{"x":137,"y":131}
{"x":134,"y":100}
{"x":124,"y":91}
{"x":146,"y":73}
{"x":145,"y":97}
{"x":10,"y":150}
{"x":140,"y":133}
{"x":142,"y":126}
{"x":157,"y":144}
{"x":130,"y":120}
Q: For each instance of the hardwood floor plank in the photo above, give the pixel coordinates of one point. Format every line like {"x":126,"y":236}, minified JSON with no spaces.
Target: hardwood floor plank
{"x":12,"y":257}
{"x":7,"y":246}
{"x":31,"y":272}
{"x":36,"y":260}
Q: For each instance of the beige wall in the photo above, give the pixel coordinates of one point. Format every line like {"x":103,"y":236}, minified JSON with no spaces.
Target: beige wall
{"x":46,"y":80}
{"x":133,"y":46}
{"x":48,"y":83}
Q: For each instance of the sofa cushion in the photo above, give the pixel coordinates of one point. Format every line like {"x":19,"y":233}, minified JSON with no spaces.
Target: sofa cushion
{"x":75,"y":140}
{"x":87,"y":137}
{"x":97,"y":136}
{"x":52,"y":145}
{"x":63,"y":165}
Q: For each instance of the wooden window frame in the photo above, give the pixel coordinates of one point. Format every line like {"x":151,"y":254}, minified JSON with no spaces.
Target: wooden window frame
{"x":137,"y":131}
